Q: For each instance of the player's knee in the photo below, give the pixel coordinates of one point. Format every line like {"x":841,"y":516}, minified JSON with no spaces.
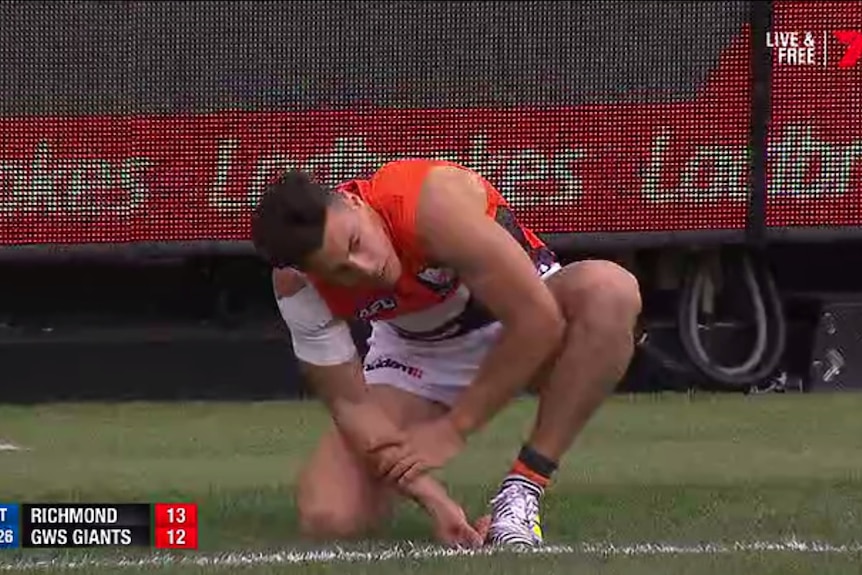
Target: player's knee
{"x":601,"y":294}
{"x":326,"y":520}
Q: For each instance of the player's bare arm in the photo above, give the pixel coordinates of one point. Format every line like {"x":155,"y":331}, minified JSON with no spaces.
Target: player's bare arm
{"x":328,"y":359}
{"x":454,"y":228}
{"x":324,"y":348}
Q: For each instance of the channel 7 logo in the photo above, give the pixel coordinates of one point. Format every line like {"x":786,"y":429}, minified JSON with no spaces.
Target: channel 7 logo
{"x":852,"y":39}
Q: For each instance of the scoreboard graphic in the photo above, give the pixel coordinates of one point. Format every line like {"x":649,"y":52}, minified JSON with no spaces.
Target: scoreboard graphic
{"x":80,"y":525}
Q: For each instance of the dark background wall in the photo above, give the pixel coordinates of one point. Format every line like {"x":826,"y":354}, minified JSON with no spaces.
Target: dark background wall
{"x":191,"y":57}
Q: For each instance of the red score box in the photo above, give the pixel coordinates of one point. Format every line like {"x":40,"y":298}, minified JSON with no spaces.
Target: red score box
{"x":177,"y":537}
{"x":176,"y":515}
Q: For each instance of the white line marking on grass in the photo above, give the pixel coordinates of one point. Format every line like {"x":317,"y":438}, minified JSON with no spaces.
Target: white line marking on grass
{"x":288,"y":557}
{"x":9,"y":446}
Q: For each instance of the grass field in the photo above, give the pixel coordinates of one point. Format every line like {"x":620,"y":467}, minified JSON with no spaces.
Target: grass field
{"x":688,"y":473}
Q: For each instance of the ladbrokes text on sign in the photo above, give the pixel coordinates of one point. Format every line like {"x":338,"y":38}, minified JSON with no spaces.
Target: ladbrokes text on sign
{"x":642,"y":165}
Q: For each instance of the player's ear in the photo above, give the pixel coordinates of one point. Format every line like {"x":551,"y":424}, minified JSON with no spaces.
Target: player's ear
{"x":352,"y":200}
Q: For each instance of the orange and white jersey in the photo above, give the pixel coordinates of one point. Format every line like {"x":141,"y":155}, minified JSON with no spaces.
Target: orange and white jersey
{"x":428,"y":302}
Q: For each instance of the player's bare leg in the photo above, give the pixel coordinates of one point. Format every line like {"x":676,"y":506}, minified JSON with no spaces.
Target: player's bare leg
{"x":601,"y":303}
{"x":336,"y":497}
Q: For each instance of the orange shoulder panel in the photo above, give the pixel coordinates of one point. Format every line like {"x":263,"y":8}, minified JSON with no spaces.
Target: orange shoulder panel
{"x":394,"y":194}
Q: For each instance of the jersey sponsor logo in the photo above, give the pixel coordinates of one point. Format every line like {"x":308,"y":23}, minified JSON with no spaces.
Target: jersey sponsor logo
{"x":439,"y":280}
{"x":389,"y":363}
{"x":377,"y":306}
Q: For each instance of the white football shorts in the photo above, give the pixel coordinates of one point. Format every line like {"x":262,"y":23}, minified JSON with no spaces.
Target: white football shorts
{"x":436,"y":370}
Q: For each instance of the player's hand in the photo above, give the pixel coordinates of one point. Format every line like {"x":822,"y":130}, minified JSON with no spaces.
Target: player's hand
{"x":427,"y":446}
{"x":450,"y":523}
{"x":482,"y":526}
{"x":451,"y":526}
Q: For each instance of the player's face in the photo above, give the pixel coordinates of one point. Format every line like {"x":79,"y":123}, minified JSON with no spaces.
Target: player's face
{"x":356,"y":248}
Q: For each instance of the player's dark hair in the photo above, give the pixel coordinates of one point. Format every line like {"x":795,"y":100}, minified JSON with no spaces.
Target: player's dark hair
{"x":288,"y":222}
